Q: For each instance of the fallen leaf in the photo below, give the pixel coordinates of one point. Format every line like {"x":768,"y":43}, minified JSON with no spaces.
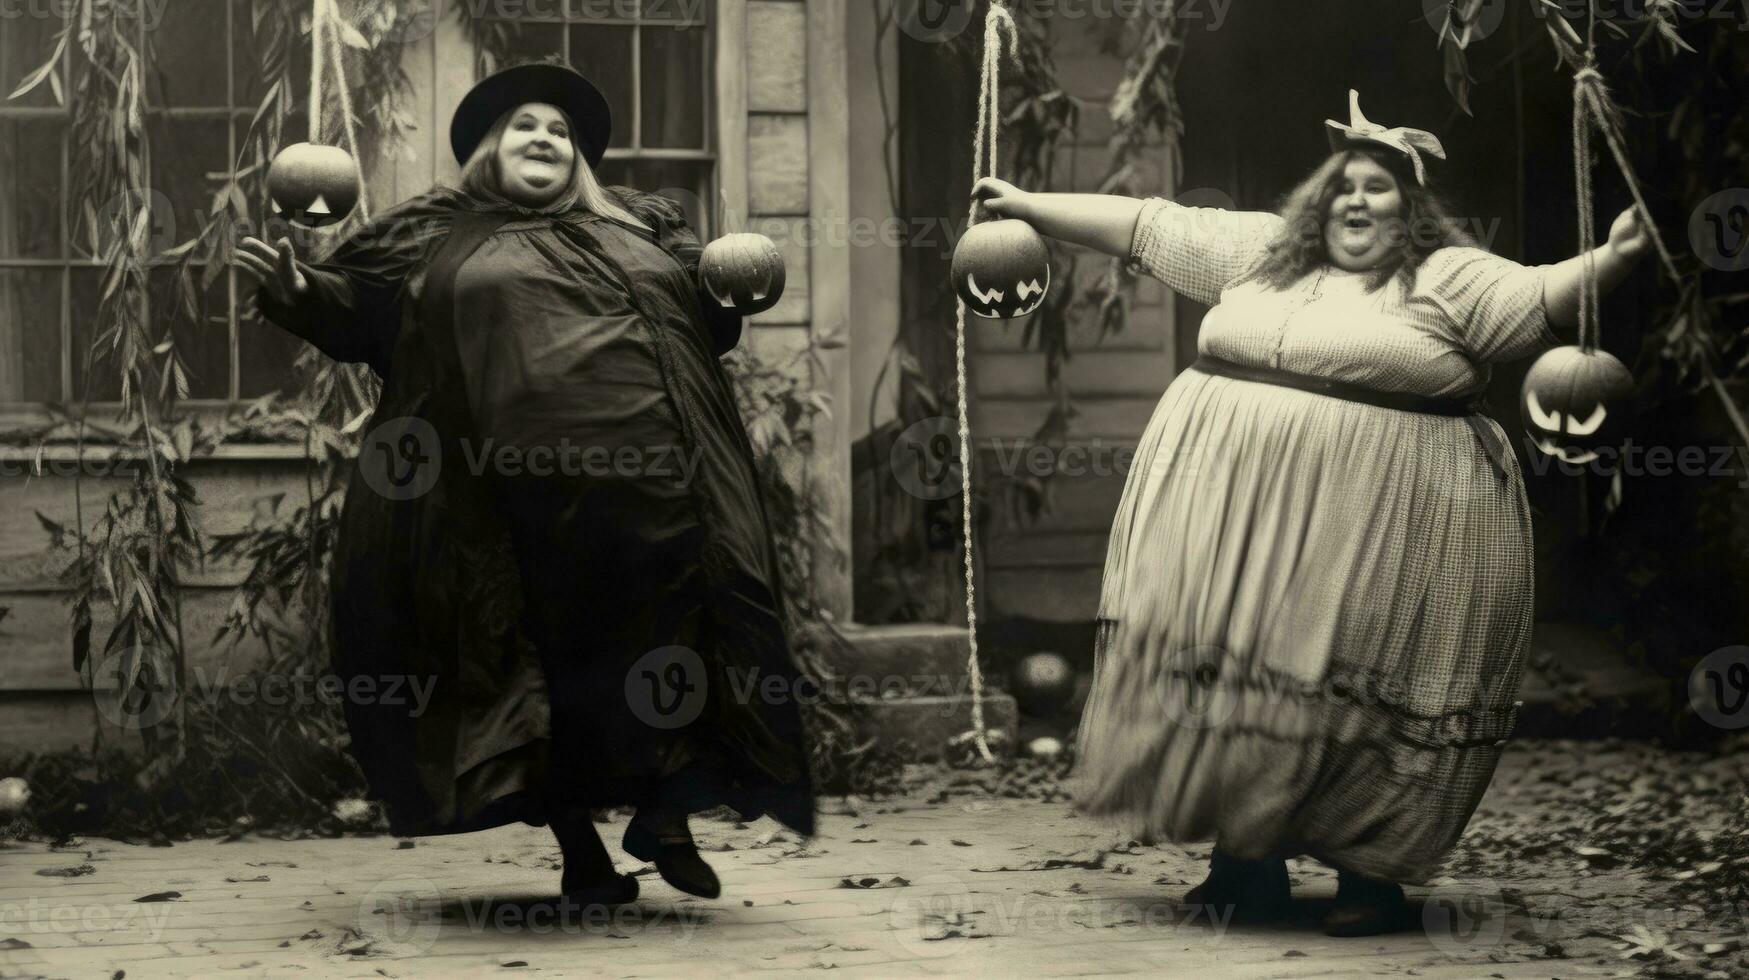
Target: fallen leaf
{"x":74,"y":872}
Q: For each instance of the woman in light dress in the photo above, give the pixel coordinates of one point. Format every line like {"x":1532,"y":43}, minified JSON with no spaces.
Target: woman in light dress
{"x":1318,"y":591}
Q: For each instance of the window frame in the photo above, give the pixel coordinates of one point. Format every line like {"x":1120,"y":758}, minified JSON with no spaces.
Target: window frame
{"x":17,"y":411}
{"x":710,"y":155}
{"x":725,"y":180}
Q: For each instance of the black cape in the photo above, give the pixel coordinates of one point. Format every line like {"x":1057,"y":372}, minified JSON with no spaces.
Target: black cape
{"x":554,"y":526}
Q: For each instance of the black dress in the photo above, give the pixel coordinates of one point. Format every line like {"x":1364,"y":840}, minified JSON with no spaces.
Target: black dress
{"x":554,"y":522}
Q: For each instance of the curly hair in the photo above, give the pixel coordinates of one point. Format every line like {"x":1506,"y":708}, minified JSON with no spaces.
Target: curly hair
{"x":1425,"y":226}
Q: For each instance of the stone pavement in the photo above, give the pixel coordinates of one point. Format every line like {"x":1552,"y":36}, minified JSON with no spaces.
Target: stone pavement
{"x":944,"y":884}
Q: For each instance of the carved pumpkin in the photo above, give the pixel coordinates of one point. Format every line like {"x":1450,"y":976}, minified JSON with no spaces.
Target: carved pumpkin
{"x":743,"y":272}
{"x":1043,"y":683}
{"x":1572,"y":402}
{"x":313,"y":185}
{"x":1001,"y":268}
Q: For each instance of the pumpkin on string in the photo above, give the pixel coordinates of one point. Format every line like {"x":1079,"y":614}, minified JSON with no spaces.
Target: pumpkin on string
{"x":1572,"y":402}
{"x":1001,"y":268}
{"x":1043,"y":683}
{"x":743,"y":272}
{"x":312,"y":184}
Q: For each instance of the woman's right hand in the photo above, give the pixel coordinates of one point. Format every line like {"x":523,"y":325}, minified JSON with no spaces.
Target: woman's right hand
{"x":1004,"y":200}
{"x":274,"y":269}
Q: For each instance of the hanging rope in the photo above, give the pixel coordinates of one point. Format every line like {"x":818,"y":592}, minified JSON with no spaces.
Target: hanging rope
{"x":1591,"y":96}
{"x":1589,"y":300}
{"x":327,"y":49}
{"x":984,"y":157}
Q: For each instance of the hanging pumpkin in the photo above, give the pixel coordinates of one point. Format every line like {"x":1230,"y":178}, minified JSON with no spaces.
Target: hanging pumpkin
{"x":312,"y":184}
{"x":1043,"y":683}
{"x":1001,"y":268}
{"x":743,"y":272}
{"x":1572,"y":402}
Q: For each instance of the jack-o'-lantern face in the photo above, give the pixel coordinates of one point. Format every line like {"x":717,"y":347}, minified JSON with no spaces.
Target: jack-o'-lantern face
{"x":313,"y":185}
{"x":1572,"y":402}
{"x":743,"y":272}
{"x":1001,"y":269}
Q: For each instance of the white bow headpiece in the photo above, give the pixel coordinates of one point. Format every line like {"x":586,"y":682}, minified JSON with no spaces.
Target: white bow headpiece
{"x":1409,"y":142}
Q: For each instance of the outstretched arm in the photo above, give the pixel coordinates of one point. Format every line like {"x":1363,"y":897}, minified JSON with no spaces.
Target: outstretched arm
{"x":1105,"y":222}
{"x":1195,"y":251}
{"x":1562,"y":281}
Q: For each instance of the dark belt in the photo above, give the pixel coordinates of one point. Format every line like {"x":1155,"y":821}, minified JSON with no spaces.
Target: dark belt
{"x":1467,"y":409}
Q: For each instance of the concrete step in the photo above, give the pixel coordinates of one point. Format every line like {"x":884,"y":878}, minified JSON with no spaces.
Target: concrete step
{"x":932,"y":650}
{"x":909,"y":681}
{"x":925,"y":725}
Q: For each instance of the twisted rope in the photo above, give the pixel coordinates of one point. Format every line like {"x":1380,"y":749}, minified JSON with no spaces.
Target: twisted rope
{"x":984,"y":157}
{"x":1589,"y":300}
{"x":326,"y":49}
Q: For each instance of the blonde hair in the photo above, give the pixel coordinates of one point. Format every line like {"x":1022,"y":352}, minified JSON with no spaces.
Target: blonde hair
{"x":481,"y":177}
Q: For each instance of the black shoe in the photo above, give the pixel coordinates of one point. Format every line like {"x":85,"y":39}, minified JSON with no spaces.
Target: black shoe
{"x":677,"y":861}
{"x":1366,"y":907}
{"x":1255,"y":890}
{"x":615,"y":889}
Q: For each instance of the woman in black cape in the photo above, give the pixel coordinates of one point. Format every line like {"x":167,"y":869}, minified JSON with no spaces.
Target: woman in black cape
{"x":555,"y":520}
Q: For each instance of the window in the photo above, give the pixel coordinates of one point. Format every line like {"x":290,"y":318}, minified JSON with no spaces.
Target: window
{"x":201,"y":87}
{"x":652,"y":59}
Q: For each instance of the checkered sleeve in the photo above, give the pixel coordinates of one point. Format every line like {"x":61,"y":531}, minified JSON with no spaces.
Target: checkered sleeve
{"x":1198,"y":251}
{"x":1494,"y":305}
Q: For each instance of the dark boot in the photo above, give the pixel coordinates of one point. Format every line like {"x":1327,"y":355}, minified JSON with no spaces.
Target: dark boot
{"x":661,"y":836}
{"x":1366,"y":906}
{"x":589,"y":876}
{"x":1255,"y":890}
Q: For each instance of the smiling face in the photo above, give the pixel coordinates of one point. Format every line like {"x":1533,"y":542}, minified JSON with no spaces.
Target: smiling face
{"x":1367,"y":204}
{"x":535,"y":155}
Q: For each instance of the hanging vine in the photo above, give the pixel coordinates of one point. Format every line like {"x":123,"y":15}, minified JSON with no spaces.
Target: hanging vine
{"x":131,"y":555}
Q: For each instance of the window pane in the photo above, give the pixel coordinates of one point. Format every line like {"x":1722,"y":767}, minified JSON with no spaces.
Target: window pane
{"x":267,"y":354}
{"x":186,"y":45}
{"x":184,"y":151}
{"x":105,"y":382}
{"x":620,"y":10}
{"x":534,"y":41}
{"x":691,"y":11}
{"x":685,"y":182}
{"x":26,"y":41}
{"x":604,"y":55}
{"x":30,"y":188}
{"x":673,"y":86}
{"x":203,"y":337}
{"x":30,"y":335}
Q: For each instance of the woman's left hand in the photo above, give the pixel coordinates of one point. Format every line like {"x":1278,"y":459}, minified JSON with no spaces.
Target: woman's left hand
{"x":1627,"y":235}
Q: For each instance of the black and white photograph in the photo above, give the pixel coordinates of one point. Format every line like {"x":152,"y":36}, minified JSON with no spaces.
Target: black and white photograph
{"x":874,"y":488}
